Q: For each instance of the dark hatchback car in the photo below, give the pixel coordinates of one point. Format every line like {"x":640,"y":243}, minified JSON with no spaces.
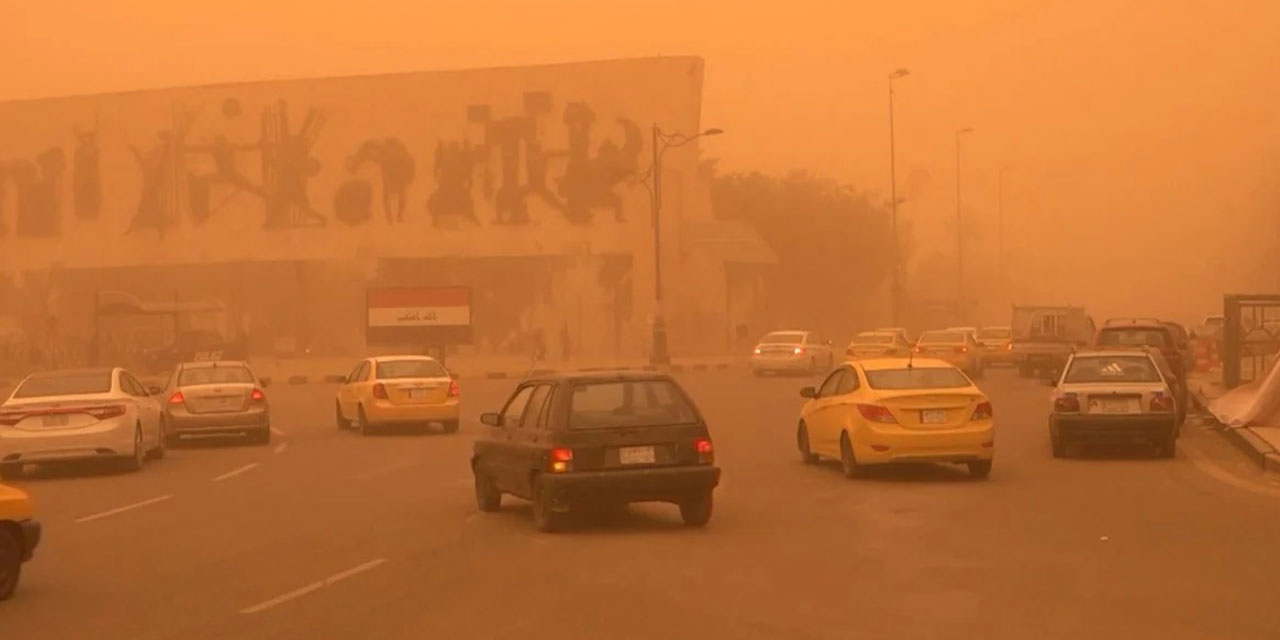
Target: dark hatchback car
{"x":596,"y":440}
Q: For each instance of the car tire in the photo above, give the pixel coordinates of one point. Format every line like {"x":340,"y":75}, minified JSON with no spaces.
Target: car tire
{"x":979,"y":470}
{"x":363,"y":422}
{"x":488,"y":498}
{"x":343,"y":423}
{"x":807,"y":455}
{"x":1167,"y":447}
{"x":135,"y":460}
{"x":849,"y":463}
{"x":10,"y":562}
{"x":1059,"y":447}
{"x":546,"y":519}
{"x":261,"y":438}
{"x":162,"y":445}
{"x":10,"y":471}
{"x":450,"y":426}
{"x":695,"y":510}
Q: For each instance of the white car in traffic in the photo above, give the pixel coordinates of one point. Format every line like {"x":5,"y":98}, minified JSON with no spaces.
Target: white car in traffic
{"x":76,"y":415}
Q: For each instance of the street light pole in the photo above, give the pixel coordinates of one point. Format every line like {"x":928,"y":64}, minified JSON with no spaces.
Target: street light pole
{"x":1000,"y":223}
{"x":895,"y":270}
{"x":660,"y":355}
{"x":964,"y":303}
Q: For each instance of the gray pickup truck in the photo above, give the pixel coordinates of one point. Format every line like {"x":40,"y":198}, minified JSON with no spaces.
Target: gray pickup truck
{"x":1044,"y":337}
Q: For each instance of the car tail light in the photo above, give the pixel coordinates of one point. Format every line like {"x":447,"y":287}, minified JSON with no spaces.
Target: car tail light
{"x":380,"y":391}
{"x":561,"y":459}
{"x":177,"y":398}
{"x":109,"y":411}
{"x":1161,"y":403}
{"x":757,"y":351}
{"x":454,"y":389}
{"x":877,"y":413}
{"x":798,"y":350}
{"x":257,"y":395}
{"x":1067,"y":403}
{"x":962,"y":349}
{"x":982,"y":411}
{"x":706,"y":451}
{"x":1008,"y":346}
{"x":10,"y":418}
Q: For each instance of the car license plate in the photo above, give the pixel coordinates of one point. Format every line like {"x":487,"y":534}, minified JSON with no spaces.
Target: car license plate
{"x":417,"y":394}
{"x":56,"y":420}
{"x":1113,"y":405}
{"x":636,"y":455}
{"x":933,"y":416}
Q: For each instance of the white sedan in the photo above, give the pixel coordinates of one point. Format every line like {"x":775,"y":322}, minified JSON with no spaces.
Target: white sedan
{"x":82,"y":414}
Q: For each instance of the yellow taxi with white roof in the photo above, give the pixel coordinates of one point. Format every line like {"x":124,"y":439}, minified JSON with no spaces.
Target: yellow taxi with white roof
{"x":897,"y":410}
{"x":398,"y":391}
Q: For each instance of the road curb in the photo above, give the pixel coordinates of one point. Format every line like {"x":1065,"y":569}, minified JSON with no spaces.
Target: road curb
{"x":1249,"y":443}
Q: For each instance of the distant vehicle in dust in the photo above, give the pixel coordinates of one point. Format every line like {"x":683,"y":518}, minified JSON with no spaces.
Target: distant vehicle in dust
{"x":398,"y":391}
{"x":216,"y":398}
{"x":792,"y":352}
{"x":1115,"y":395}
{"x":957,"y":348}
{"x":997,"y":345}
{"x":877,"y":344}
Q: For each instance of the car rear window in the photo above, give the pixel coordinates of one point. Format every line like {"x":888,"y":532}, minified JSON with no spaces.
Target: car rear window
{"x":214,"y":375}
{"x":917,"y":378}
{"x":874,"y":338}
{"x":783,"y":338}
{"x":995,"y":334}
{"x":394,"y":369}
{"x":1133,"y":337}
{"x":942,"y":336}
{"x":630,"y":403}
{"x":1086,"y":369}
{"x":64,"y":384}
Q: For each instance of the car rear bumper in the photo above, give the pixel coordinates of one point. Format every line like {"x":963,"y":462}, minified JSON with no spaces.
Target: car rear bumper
{"x":782,"y":363}
{"x":666,"y":484}
{"x":114,"y":438}
{"x":910,"y":446}
{"x":1113,"y":428}
{"x":216,"y":423}
{"x":31,"y":532}
{"x":387,"y":413}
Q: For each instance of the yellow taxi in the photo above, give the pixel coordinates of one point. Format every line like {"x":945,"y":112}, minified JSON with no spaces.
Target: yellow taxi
{"x":876,"y":344}
{"x":19,"y":535}
{"x":953,"y":346}
{"x":398,"y":391}
{"x":897,"y":410}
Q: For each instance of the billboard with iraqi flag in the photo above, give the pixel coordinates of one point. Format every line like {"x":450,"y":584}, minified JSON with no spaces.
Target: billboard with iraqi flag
{"x":426,"y":315}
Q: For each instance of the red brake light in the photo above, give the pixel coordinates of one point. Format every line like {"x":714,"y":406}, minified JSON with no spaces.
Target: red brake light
{"x":454,"y":389}
{"x":102,"y":413}
{"x":177,"y":398}
{"x":257,"y":395}
{"x":11,"y":418}
{"x":982,"y":411}
{"x":380,"y":391}
{"x":1008,"y":346}
{"x":877,"y":413}
{"x":757,"y":351}
{"x":962,"y":349}
{"x":561,"y":459}
{"x":706,"y":451}
{"x":798,"y":350}
{"x":1161,"y":403}
{"x":1069,"y":403}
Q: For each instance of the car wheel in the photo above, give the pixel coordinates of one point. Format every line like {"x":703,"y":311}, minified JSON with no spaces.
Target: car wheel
{"x":545,"y":518}
{"x":488,"y":498}
{"x":450,"y":426}
{"x":980,"y":469}
{"x":362,"y":422}
{"x":135,"y":460}
{"x":1059,"y":447}
{"x":848,"y":463}
{"x":10,"y":563}
{"x":1167,"y":446}
{"x":343,"y":423}
{"x":807,"y":456}
{"x":696,"y":510}
{"x":162,"y":444}
{"x":10,"y":471}
{"x":261,"y":437}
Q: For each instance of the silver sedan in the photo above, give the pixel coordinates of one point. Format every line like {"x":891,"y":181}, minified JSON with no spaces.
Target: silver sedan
{"x":216,"y":399}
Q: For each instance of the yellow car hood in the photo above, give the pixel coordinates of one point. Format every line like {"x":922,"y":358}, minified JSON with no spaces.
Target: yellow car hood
{"x":14,"y":504}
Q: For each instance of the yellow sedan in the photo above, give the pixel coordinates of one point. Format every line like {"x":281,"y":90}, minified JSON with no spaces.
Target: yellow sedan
{"x":19,"y":535}
{"x":876,"y":344}
{"x":395,"y":391}
{"x":897,"y":410}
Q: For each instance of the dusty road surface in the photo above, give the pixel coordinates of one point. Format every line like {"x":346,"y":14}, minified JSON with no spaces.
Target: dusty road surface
{"x":325,"y":534}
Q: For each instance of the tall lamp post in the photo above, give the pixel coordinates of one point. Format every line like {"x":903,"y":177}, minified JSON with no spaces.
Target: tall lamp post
{"x":661,"y":142}
{"x":1000,"y":223}
{"x":895,"y":273}
{"x":964,"y":302}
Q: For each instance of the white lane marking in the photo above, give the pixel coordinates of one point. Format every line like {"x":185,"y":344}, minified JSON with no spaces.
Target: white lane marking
{"x":1203,"y":463}
{"x":235,"y":472}
{"x":280,"y":448}
{"x":128,"y":507}
{"x":314,"y":586}
{"x":277,"y":432}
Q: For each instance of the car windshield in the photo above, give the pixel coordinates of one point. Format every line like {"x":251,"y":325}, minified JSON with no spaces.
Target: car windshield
{"x":917,"y":378}
{"x":995,"y":334}
{"x":65,"y":384}
{"x":632,"y":403}
{"x":394,"y":369}
{"x":1135,"y":337}
{"x":214,"y":375}
{"x":783,"y":338}
{"x":943,"y":337}
{"x":1087,"y":369}
{"x":874,"y":338}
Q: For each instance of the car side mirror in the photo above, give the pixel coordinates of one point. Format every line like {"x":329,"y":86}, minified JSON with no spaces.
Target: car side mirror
{"x":264,"y":382}
{"x":808,"y":392}
{"x":491,"y":419}
{"x":155,"y":391}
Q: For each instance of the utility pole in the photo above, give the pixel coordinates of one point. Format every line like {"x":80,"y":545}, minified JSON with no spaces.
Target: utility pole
{"x":963,"y":301}
{"x":895,"y":268}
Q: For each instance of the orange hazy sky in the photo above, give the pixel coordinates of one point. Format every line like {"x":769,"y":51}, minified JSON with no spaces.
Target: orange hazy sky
{"x":1150,"y":118}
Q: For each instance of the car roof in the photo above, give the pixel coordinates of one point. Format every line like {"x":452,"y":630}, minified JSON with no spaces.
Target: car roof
{"x":213,"y":364}
{"x":379,"y":359}
{"x":881,"y":364}
{"x":56,"y":373}
{"x":1134,"y":323}
{"x":879,"y":332}
{"x":770,"y":333}
{"x":1115,"y":351}
{"x":960,"y":332}
{"x":1003,"y":327}
{"x":600,"y":376}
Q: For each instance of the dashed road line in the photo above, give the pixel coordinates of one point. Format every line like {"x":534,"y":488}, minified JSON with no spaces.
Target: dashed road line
{"x":314,"y":586}
{"x":277,"y":432}
{"x":280,"y":448}
{"x":235,"y":472}
{"x":128,"y":507}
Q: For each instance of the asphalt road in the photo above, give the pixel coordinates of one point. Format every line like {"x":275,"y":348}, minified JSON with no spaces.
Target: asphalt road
{"x":326,"y":534}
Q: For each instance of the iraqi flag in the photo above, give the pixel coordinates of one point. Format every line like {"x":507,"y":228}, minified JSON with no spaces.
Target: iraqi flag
{"x":419,"y":307}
